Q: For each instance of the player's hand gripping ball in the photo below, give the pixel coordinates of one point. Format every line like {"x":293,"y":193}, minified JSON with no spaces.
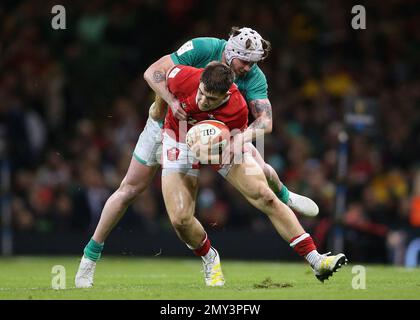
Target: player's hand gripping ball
{"x":207,"y":140}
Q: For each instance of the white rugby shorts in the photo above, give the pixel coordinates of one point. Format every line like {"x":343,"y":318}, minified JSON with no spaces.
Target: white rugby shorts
{"x":176,"y":157}
{"x":148,"y":150}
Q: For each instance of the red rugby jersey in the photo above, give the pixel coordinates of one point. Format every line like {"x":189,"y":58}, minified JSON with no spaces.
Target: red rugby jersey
{"x":183,"y":83}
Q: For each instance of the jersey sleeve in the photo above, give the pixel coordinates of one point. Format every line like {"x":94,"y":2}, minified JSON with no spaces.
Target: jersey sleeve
{"x":194,"y":52}
{"x":257,"y":87}
{"x":176,"y":79}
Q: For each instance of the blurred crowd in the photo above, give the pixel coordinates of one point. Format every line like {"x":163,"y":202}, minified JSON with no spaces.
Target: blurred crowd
{"x":73,"y":103}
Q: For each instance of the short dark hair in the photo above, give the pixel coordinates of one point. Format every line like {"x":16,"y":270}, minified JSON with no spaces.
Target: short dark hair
{"x":217,"y":77}
{"x":266,"y":45}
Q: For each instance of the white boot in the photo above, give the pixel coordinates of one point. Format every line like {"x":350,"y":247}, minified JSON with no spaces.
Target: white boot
{"x":84,"y":276}
{"x":213,"y":271}
{"x":302,"y":204}
{"x":327,"y":265}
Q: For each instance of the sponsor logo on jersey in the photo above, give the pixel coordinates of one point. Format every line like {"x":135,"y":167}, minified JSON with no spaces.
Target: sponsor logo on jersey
{"x":187,"y":46}
{"x":174,"y":72}
{"x":172,"y":154}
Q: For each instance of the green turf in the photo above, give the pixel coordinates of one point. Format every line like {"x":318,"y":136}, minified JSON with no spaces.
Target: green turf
{"x":162,"y":278}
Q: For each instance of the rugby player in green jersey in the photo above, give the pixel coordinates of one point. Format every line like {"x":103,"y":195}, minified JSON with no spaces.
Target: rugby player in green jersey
{"x":244,"y":49}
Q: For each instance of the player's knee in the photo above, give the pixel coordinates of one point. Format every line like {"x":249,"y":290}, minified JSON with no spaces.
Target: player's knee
{"x":181,"y":219}
{"x":128,"y":192}
{"x":265,"y":195}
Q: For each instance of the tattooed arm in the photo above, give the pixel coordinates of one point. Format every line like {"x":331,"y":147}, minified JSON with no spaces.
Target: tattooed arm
{"x":263,"y":114}
{"x":155,"y":76}
{"x":261,"y":110}
{"x":263,"y":123}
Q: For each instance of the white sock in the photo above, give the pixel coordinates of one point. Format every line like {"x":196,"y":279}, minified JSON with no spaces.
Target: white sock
{"x":291,"y":196}
{"x":209,"y":257}
{"x":313,"y":257}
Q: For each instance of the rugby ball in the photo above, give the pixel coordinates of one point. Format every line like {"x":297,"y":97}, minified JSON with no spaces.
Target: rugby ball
{"x":213,"y":133}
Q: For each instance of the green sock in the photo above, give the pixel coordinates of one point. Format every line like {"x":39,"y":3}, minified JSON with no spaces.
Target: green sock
{"x":93,"y":250}
{"x":283,"y":194}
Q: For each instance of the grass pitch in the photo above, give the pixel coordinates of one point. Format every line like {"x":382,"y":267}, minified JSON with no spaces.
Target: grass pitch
{"x":161,"y":278}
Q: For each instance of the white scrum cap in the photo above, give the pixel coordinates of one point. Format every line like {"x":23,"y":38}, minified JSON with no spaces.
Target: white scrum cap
{"x":246,"y":45}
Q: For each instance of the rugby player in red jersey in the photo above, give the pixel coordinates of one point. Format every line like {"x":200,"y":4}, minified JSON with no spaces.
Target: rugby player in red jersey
{"x":210,"y":94}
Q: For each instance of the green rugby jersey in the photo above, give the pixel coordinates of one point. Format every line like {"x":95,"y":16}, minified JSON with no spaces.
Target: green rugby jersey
{"x":199,"y":52}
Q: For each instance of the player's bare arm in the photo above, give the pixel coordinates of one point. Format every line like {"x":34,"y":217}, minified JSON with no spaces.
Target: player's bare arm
{"x":155,"y":76}
{"x":263,"y":114}
{"x":263,"y":123}
{"x":157,"y":110}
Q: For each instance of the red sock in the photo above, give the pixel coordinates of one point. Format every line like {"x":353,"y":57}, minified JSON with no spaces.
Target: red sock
{"x":303,"y":244}
{"x":203,"y":248}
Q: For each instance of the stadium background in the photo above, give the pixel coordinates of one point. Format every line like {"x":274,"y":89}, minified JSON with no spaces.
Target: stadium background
{"x":73,"y":102}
